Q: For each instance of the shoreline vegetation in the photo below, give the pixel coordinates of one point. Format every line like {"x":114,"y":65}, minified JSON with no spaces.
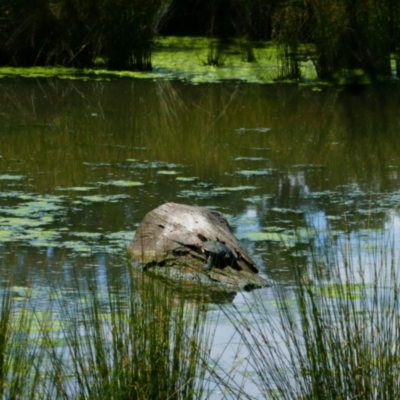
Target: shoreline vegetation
{"x":333,"y":333}
{"x":353,"y":40}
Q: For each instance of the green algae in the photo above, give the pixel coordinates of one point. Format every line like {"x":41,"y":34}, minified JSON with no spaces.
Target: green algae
{"x":7,"y":177}
{"x":77,"y":188}
{"x":146,"y":164}
{"x":186,"y":178}
{"x":267,"y":236}
{"x":105,"y":198}
{"x":168,"y":172}
{"x":89,"y":235}
{"x":247,"y":130}
{"x":258,"y":199}
{"x":34,"y":208}
{"x":122,"y":183}
{"x":234,"y":188}
{"x":250,"y":159}
{"x":286,"y":210}
{"x":15,"y":222}
{"x":182,"y":58}
{"x":201,"y":194}
{"x":259,"y":172}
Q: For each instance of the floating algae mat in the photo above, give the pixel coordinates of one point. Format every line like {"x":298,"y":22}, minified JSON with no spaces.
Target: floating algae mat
{"x":185,"y":58}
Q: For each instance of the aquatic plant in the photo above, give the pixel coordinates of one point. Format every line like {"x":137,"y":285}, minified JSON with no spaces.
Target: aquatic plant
{"x":335,"y":333}
{"x":133,"y":338}
{"x":19,"y":356}
{"x":139,"y":340}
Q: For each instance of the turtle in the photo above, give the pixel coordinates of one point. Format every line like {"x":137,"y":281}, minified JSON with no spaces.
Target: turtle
{"x":218,"y":253}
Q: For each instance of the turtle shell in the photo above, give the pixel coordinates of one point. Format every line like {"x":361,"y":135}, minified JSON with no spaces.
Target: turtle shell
{"x":217,"y":248}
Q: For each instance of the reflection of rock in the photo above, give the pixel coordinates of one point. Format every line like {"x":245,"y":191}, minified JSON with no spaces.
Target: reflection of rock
{"x":172,"y":236}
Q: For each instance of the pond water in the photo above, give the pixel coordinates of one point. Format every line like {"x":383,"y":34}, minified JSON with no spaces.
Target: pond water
{"x":81,"y":163}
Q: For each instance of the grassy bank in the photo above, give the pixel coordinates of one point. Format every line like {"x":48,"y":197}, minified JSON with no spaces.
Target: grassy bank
{"x":344,"y":37}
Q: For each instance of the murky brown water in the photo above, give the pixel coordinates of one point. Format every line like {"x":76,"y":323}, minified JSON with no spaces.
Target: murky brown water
{"x":82,"y":163}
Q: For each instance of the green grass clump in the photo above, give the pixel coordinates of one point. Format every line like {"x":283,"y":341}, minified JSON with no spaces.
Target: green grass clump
{"x":130,"y":339}
{"x":145,"y":346}
{"x":333,"y":335}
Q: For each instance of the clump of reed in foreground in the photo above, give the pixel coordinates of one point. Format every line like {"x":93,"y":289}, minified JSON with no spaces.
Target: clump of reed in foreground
{"x":131,"y":338}
{"x":20,"y":354}
{"x":133,"y":342}
{"x":333,"y":335}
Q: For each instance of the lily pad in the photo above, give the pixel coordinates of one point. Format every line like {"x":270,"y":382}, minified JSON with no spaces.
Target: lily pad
{"x":199,"y":194}
{"x":264,"y":236}
{"x":41,"y":206}
{"x":88,"y":235}
{"x":288,"y":240}
{"x":7,"y":177}
{"x":123,"y":238}
{"x":122,"y":183}
{"x":103,"y":198}
{"x":249,"y":159}
{"x":287,"y":210}
{"x":78,"y":188}
{"x":152,"y":164}
{"x":259,"y":199}
{"x":246,"y":130}
{"x":234,"y":188}
{"x":267,"y":171}
{"x":186,"y":178}
{"x":16,"y":223}
{"x":167,"y":172}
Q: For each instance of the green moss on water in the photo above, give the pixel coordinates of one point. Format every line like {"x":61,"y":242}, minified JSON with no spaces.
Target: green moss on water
{"x":104,"y":198}
{"x":168,"y":172}
{"x":259,"y":172}
{"x":182,"y":58}
{"x":186,"y":178}
{"x":234,"y":188}
{"x":186,"y":58}
{"x":123,"y":183}
{"x":77,"y":188}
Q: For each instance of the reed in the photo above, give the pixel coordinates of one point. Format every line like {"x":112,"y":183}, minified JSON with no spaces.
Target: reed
{"x":133,"y":338}
{"x":19,"y":356}
{"x":287,"y":26}
{"x":131,"y":342}
{"x":336,"y":331}
{"x":128,"y":32}
{"x":342,"y":37}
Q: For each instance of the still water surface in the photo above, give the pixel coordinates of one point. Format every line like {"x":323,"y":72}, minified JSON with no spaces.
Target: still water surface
{"x":81,"y":163}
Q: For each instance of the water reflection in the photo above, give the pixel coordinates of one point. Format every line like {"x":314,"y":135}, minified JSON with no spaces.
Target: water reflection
{"x":83,"y":162}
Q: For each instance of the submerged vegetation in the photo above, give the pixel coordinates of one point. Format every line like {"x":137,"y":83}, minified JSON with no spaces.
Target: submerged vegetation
{"x":342,"y":38}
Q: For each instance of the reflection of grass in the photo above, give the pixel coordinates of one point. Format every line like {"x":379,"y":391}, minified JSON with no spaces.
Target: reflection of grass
{"x":334,"y":335}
